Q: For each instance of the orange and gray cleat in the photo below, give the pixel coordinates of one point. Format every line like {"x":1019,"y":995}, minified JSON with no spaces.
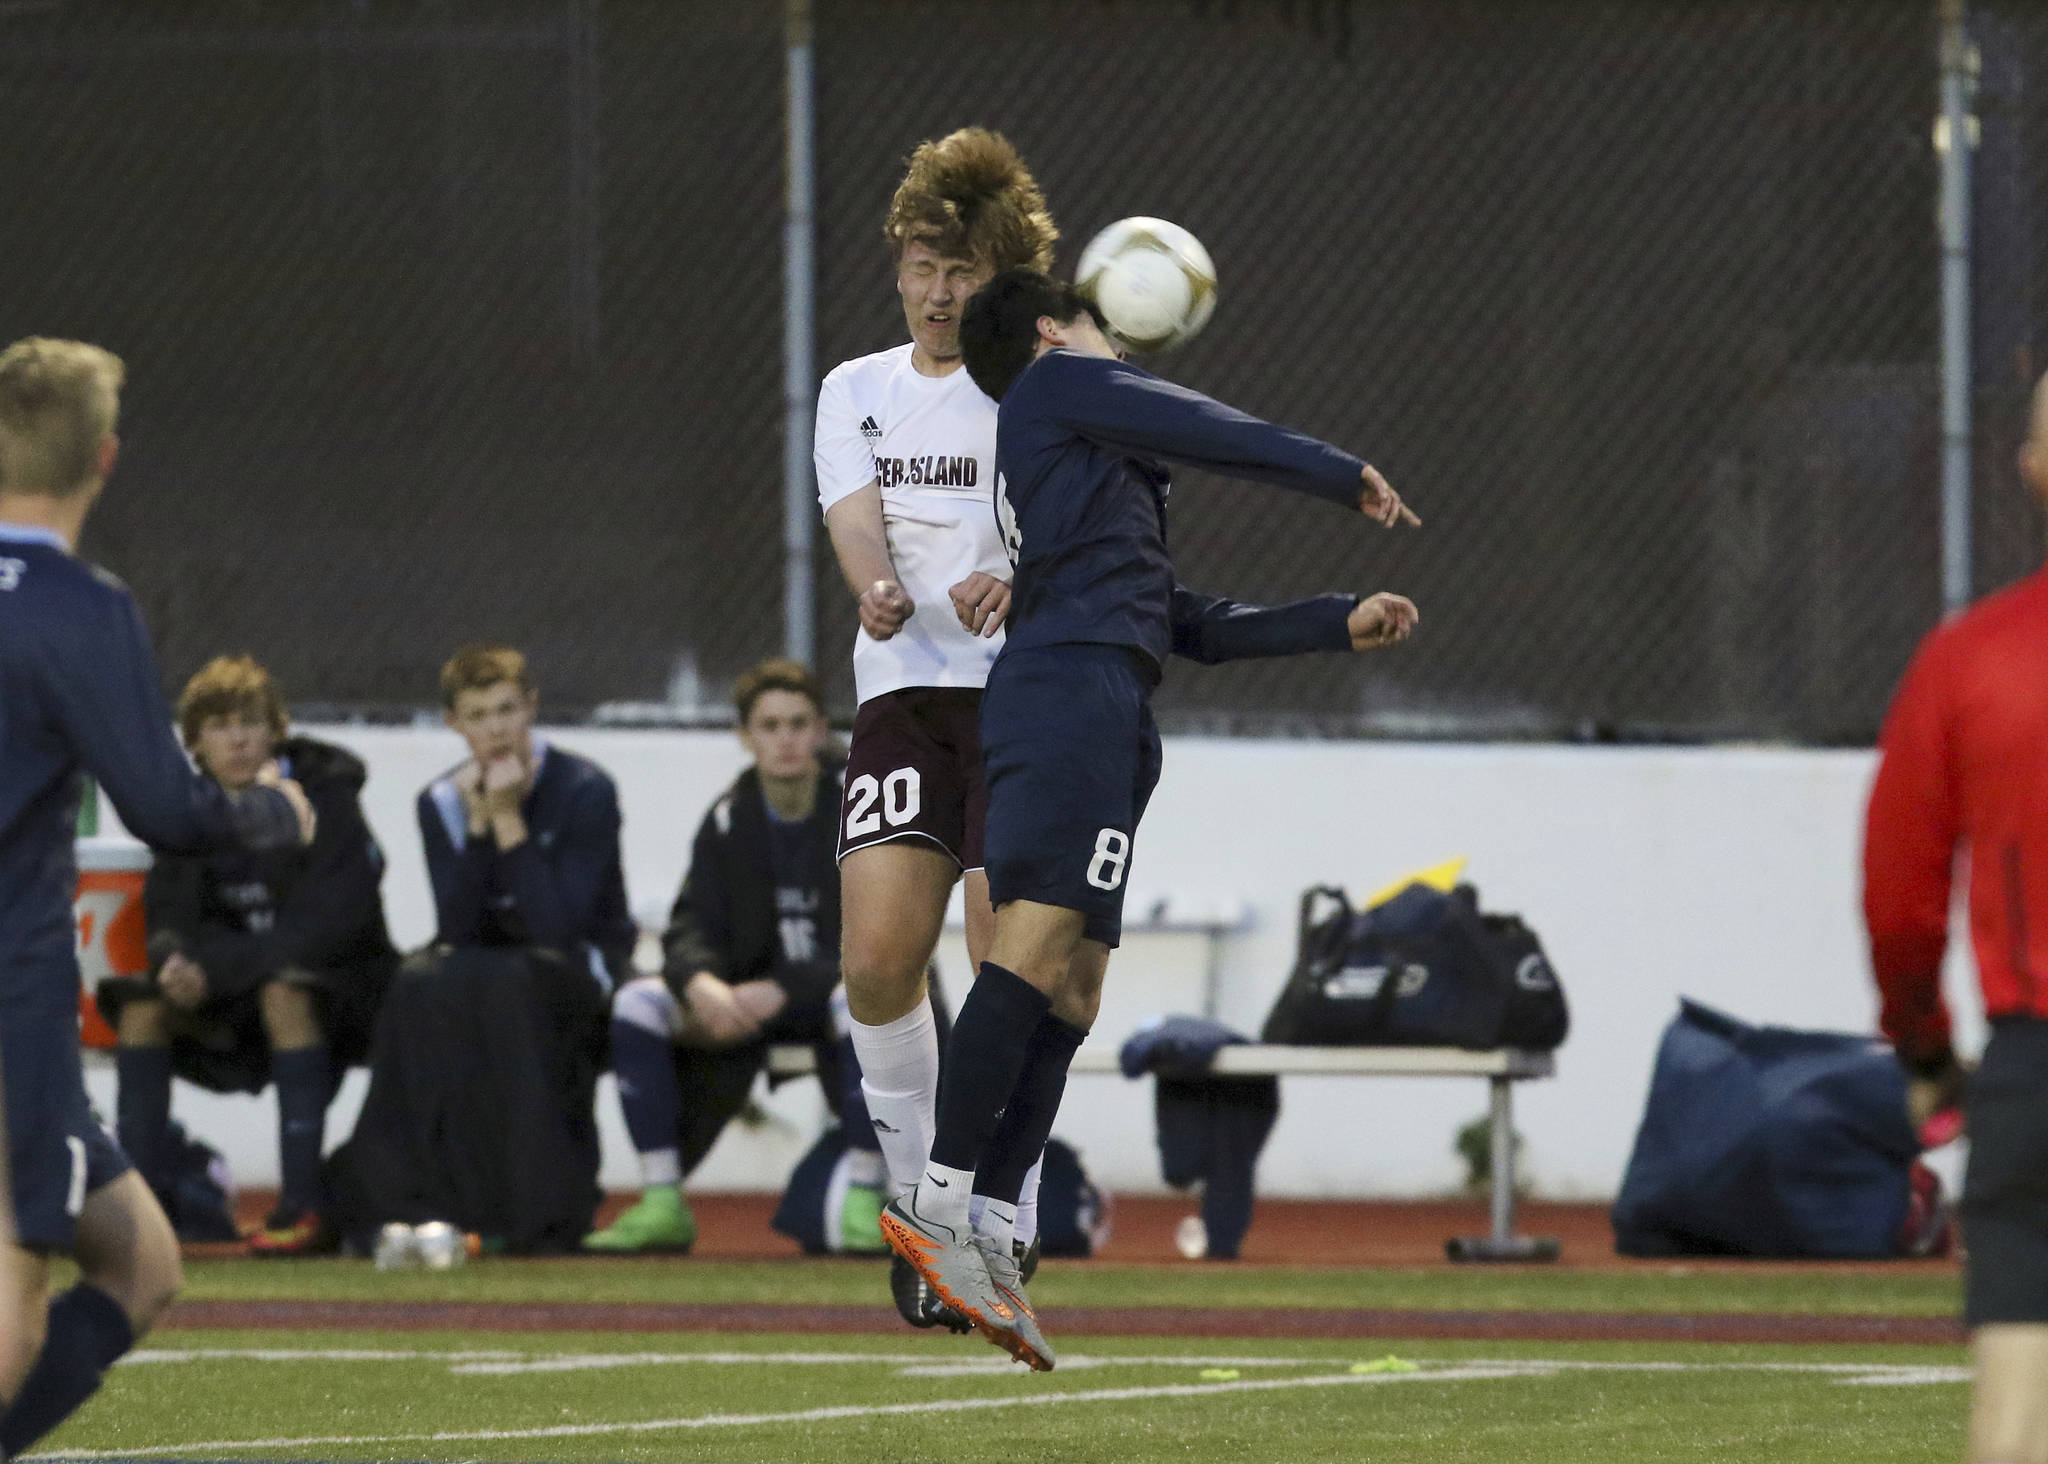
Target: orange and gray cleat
{"x":957,"y":1272}
{"x":1023,"y":1341}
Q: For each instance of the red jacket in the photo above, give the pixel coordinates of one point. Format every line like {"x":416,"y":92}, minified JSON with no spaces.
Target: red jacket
{"x":1965,"y":762}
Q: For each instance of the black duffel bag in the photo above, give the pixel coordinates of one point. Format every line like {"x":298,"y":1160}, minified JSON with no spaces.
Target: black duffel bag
{"x":1423,"y":969}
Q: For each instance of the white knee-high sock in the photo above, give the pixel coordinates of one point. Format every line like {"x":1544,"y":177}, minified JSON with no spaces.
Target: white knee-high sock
{"x":899,"y":1077}
{"x":1027,"y":1204}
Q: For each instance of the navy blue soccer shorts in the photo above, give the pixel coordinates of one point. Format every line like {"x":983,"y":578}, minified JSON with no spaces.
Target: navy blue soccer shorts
{"x":57,"y":1150}
{"x":1072,"y":756}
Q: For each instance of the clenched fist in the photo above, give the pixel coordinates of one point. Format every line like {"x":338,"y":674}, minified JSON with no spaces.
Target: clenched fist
{"x":884,"y":606}
{"x":1381,"y":620}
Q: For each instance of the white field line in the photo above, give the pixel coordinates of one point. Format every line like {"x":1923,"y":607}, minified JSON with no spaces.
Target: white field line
{"x":1851,"y":1374}
{"x":499,"y":1363}
{"x":507,"y":1363}
{"x":909,"y":1364}
{"x":1908,"y":1379}
{"x":818,"y":1415}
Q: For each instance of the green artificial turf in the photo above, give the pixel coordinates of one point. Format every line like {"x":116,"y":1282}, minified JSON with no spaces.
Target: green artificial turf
{"x":1667,"y":1402}
{"x":1674,"y":1289}
{"x":335,"y":1396}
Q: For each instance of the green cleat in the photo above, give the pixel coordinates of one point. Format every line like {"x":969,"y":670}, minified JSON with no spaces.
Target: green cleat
{"x":860,"y":1221}
{"x":660,"y":1221}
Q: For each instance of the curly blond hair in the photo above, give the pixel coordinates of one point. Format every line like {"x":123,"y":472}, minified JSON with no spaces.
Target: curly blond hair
{"x":968,"y":195}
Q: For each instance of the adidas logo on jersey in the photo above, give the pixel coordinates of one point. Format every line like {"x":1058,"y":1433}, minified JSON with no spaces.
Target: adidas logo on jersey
{"x":870,"y":429}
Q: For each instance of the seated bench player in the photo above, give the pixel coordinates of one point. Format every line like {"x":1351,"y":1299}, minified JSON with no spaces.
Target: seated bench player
{"x":751,"y":956}
{"x":263,"y":967}
{"x":483,"y":1076}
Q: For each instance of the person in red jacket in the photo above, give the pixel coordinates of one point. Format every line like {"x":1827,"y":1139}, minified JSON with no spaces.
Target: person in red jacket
{"x":1965,"y":766}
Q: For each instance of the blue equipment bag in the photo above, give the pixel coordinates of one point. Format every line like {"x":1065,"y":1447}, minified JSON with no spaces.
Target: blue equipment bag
{"x":1766,"y":1141}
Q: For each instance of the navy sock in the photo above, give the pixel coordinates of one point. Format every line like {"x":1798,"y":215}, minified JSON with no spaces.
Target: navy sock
{"x":854,"y":1120}
{"x":304,"y":1084}
{"x":646,"y":1068}
{"x":142,"y":1110}
{"x":1027,"y":1123}
{"x":991,"y":1038}
{"x":87,"y":1331}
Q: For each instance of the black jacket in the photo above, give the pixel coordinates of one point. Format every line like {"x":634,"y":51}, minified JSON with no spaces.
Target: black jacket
{"x":246,"y":916}
{"x":725,"y":919}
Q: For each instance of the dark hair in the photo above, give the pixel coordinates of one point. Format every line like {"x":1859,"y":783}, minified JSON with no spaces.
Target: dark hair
{"x":776,"y":675}
{"x":999,"y":332}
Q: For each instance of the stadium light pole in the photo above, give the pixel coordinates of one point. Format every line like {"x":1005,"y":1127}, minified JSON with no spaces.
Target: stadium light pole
{"x":799,"y":272}
{"x":1954,"y":140}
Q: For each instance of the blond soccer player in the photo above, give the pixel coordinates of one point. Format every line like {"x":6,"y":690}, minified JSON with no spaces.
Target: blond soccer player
{"x":905,"y":452}
{"x":79,"y":688}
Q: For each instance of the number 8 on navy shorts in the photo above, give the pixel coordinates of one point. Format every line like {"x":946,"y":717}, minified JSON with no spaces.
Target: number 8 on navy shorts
{"x":1072,"y":755}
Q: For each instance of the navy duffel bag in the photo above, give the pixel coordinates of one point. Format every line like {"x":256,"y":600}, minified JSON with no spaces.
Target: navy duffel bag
{"x":1766,"y":1141}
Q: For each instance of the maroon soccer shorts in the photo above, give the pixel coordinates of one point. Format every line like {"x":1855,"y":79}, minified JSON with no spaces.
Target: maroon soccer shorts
{"x":913,"y":771}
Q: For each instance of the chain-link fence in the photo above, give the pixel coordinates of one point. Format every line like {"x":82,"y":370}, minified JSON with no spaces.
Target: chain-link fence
{"x":462,"y":318}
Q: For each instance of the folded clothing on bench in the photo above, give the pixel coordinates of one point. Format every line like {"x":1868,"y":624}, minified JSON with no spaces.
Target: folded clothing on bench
{"x":1211,"y":1129}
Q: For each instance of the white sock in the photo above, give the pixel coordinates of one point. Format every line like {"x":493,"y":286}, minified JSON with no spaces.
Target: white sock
{"x":943,"y":1195}
{"x":661,"y":1166}
{"x":998,"y":1222}
{"x":1027,"y":1204}
{"x":899,"y":1077}
{"x":864,"y":1167}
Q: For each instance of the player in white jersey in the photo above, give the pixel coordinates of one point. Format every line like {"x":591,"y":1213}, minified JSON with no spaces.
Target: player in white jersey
{"x":905,"y":450}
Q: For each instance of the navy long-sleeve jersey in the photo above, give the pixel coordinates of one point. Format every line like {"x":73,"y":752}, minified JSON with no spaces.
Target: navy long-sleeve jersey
{"x":563,"y":889}
{"x":1081,"y":495}
{"x":79,"y":694}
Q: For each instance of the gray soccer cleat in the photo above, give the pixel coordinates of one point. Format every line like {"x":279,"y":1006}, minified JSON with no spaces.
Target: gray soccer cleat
{"x":1023,"y":1341}
{"x":955,"y":1269}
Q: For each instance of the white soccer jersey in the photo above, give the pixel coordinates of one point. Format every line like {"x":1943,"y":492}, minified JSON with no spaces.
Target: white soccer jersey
{"x":930,"y":442}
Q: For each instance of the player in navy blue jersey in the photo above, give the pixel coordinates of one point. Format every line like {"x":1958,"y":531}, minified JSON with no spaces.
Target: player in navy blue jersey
{"x":1070,"y":750}
{"x":79,"y":694}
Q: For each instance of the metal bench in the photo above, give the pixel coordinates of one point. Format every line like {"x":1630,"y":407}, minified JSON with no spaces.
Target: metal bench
{"x":1501,"y":1069}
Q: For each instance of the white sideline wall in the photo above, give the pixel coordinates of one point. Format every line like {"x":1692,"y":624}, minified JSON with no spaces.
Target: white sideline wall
{"x":1725,"y":874}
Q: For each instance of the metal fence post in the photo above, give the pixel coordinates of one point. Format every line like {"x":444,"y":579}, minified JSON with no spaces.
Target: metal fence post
{"x":799,"y":281}
{"x":1954,"y":140}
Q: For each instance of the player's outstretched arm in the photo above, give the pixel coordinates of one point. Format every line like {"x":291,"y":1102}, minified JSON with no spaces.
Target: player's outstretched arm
{"x":1129,"y":410}
{"x":1211,"y":629}
{"x":860,"y":540}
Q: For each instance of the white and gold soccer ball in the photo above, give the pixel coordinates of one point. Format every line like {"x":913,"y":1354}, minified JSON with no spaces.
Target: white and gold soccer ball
{"x":1153,"y":281}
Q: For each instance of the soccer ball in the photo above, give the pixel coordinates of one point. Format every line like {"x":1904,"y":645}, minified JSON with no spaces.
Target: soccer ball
{"x":1152,"y":280}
